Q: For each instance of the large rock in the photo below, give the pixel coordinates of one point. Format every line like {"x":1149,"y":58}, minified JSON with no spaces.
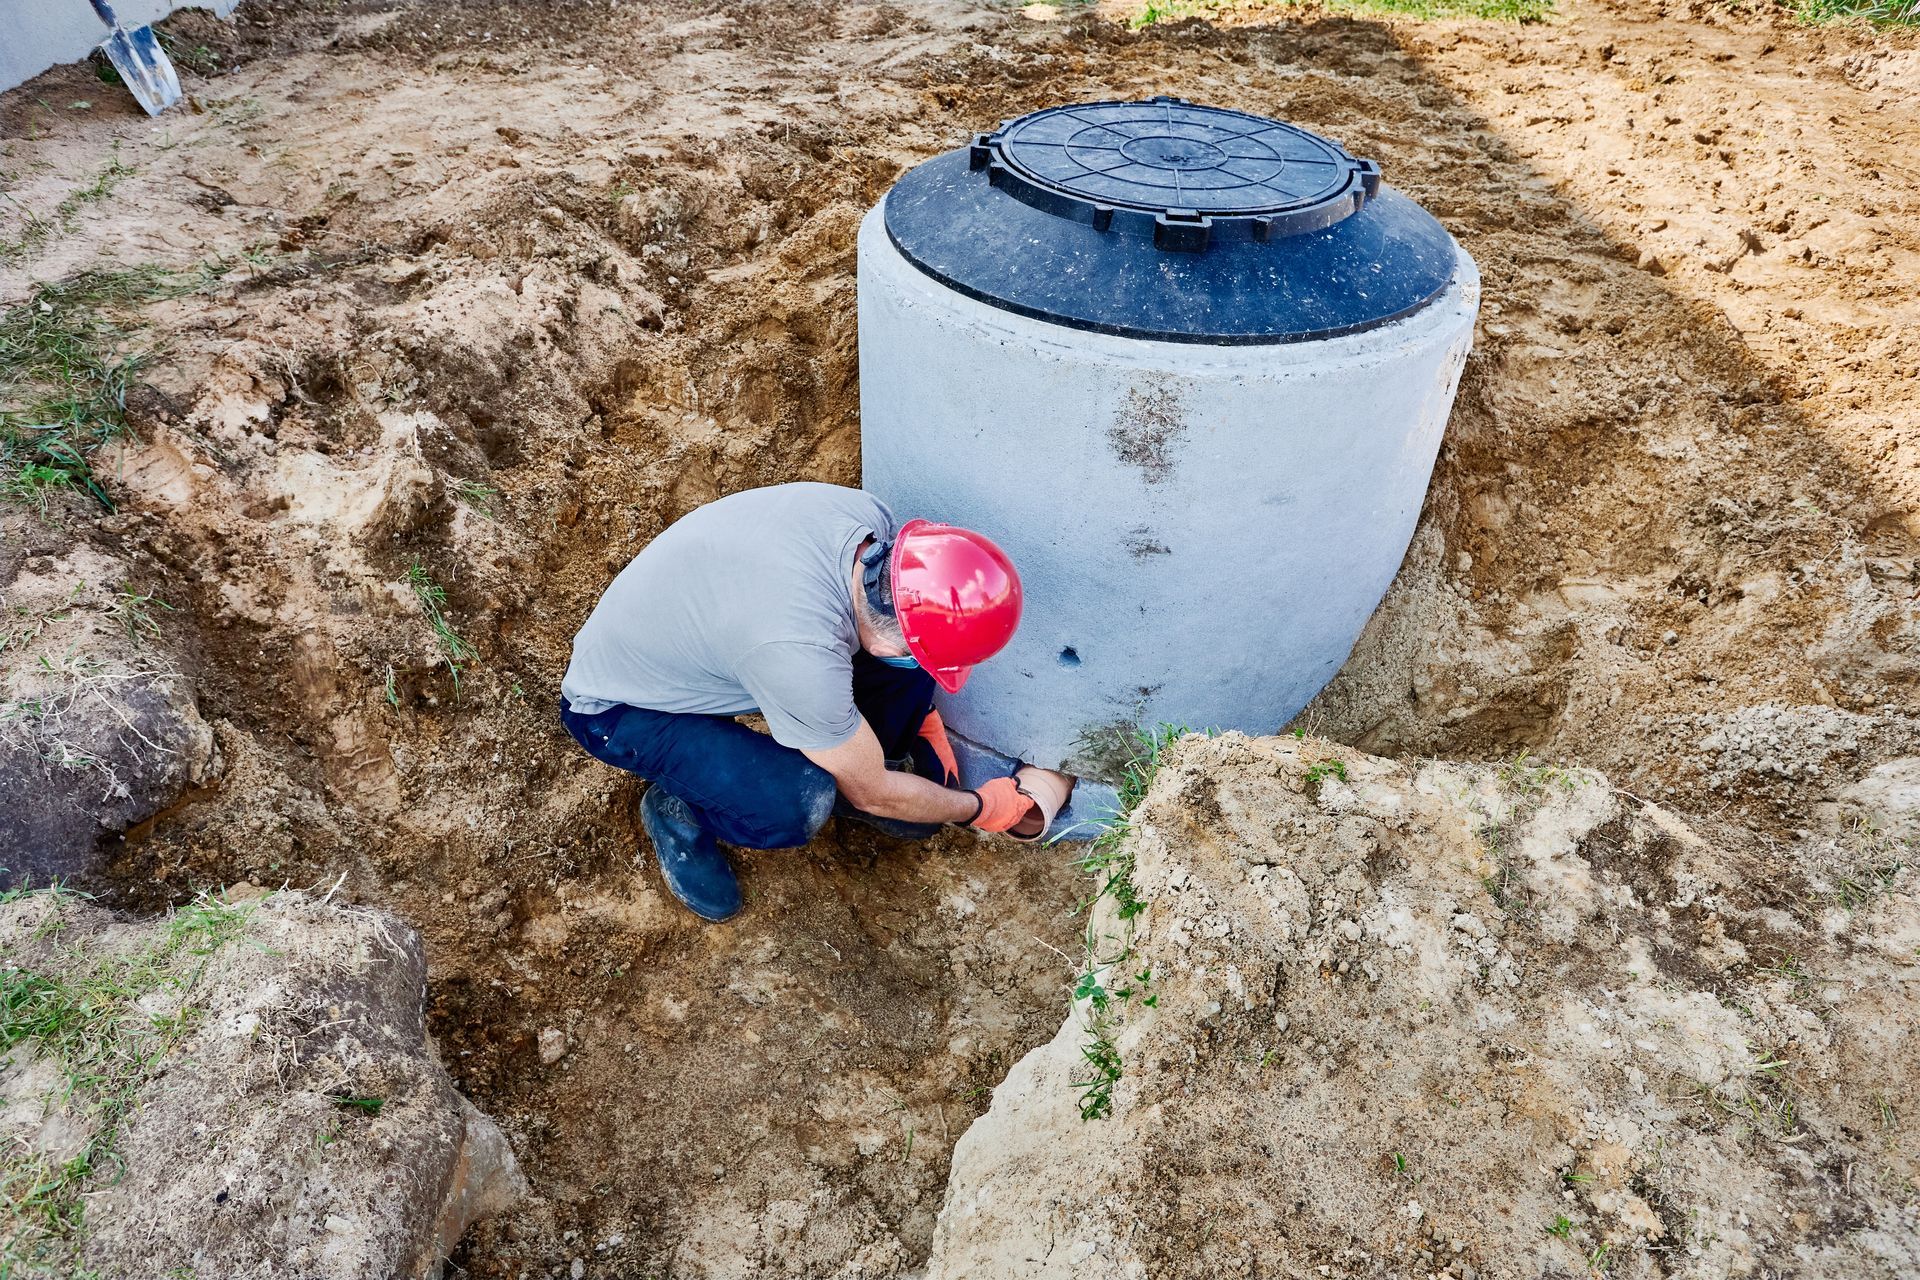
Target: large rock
{"x":1464,"y":1021}
{"x":99,"y":730}
{"x":256,"y":1095}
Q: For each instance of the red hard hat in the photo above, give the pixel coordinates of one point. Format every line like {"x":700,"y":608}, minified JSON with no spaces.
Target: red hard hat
{"x":957,"y":597}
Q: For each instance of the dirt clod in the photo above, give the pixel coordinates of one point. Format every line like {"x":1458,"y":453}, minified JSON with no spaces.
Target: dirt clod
{"x":251,"y":1082}
{"x":1432,"y":1016}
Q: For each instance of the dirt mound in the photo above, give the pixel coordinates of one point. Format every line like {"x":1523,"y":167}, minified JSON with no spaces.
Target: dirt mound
{"x":248,"y":1084}
{"x":100,"y":732}
{"x":1658,"y":508}
{"x":1380,"y":1019}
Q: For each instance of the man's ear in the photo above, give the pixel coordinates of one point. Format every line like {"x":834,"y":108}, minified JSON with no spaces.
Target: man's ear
{"x":874,"y":564}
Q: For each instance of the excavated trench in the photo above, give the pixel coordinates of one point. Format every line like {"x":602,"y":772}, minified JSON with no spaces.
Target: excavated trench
{"x":501,"y":349}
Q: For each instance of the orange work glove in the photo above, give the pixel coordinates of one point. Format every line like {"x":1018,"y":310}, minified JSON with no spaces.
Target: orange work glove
{"x":1002,"y":805}
{"x":934,"y":730}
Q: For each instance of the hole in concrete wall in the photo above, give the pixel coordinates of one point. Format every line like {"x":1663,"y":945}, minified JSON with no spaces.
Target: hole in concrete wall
{"x":1069,"y":657}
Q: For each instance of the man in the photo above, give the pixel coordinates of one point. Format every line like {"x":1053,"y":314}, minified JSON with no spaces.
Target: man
{"x":806,"y":603}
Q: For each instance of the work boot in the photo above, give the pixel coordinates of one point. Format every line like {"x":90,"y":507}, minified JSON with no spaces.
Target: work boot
{"x":691,"y":863}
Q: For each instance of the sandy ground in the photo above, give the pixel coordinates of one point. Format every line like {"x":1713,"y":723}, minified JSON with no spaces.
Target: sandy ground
{"x":600,"y":259}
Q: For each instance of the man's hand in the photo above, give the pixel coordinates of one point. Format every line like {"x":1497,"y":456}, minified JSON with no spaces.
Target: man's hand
{"x":934,"y":730}
{"x":1003,"y":806}
{"x":859,"y":769}
{"x":1050,"y":791}
{"x":1021,"y":805}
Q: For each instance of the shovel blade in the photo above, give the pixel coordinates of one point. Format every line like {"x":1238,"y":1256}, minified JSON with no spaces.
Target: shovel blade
{"x":144,"y":65}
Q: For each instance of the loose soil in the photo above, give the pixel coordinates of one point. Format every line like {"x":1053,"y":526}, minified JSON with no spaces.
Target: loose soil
{"x":1388,"y":1019}
{"x":599,"y":259}
{"x":252,"y":1086}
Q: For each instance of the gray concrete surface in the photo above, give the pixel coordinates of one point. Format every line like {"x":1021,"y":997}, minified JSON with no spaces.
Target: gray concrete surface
{"x":1203,"y":531}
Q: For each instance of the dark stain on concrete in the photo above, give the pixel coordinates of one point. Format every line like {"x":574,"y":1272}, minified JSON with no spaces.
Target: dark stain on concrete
{"x":1140,"y":543}
{"x":1148,"y":431}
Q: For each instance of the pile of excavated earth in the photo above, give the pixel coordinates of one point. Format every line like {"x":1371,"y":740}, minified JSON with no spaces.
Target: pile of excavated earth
{"x":1464,"y":1020}
{"x":1572,"y":930}
{"x":263,"y":1096}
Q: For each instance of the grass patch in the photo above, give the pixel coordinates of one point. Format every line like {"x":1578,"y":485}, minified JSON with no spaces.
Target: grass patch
{"x":197,"y":58}
{"x":1881,"y":13}
{"x":40,"y":723}
{"x":35,"y":230}
{"x":1535,"y":781}
{"x":1765,"y":1103}
{"x":454,"y":651}
{"x":1111,"y":863}
{"x":1320,"y":770}
{"x":1523,"y":11}
{"x":1868,"y":865}
{"x":89,"y":1019}
{"x":134,"y":612}
{"x":1789,"y":968}
{"x":1107,"y":859}
{"x":207,"y":924}
{"x":67,"y":358}
{"x":1531,"y":785}
{"x":68,"y":692}
{"x":1867,"y":885}
{"x":476,"y":495}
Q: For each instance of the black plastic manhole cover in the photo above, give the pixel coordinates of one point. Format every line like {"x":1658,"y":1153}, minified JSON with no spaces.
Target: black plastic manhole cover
{"x":1180,"y":163}
{"x":1170,"y":221}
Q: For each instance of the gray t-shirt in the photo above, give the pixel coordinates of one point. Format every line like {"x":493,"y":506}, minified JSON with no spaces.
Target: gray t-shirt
{"x":743,"y":604}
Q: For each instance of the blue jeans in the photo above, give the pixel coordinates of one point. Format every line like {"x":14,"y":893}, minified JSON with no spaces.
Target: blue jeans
{"x":747,"y":789}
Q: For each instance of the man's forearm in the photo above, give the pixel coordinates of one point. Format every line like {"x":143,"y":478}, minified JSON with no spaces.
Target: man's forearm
{"x":911,"y":798}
